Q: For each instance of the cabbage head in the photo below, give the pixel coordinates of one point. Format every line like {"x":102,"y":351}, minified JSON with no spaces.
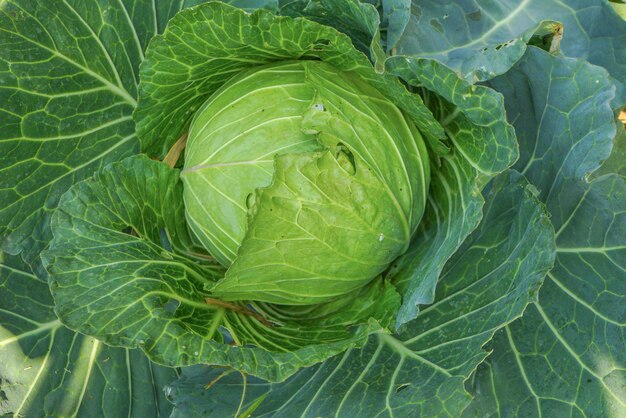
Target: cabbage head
{"x":303,"y":180}
{"x":297,"y":194}
{"x":312,"y":208}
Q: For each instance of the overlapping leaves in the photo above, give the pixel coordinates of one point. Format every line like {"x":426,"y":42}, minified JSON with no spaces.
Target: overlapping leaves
{"x":566,"y":353}
{"x":490,"y":37}
{"x":124,"y":268}
{"x":205,"y":46}
{"x":68,"y":79}
{"x":47,"y":369}
{"x":68,"y":75}
{"x":419,"y":371}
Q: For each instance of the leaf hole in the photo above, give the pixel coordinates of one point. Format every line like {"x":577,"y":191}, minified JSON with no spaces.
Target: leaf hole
{"x":130,"y":231}
{"x":321,"y":43}
{"x":249,"y":200}
{"x":402,"y":387}
{"x":475,"y":16}
{"x":345,"y":158}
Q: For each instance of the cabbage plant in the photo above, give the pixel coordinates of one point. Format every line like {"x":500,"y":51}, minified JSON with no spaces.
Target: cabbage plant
{"x":312,"y":208}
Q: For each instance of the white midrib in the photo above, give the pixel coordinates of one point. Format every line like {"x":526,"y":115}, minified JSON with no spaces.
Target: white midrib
{"x":92,"y":359}
{"x":39,"y":372}
{"x":41,"y":328}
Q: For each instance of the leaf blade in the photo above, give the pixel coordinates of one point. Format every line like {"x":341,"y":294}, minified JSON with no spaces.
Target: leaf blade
{"x":577,"y":323}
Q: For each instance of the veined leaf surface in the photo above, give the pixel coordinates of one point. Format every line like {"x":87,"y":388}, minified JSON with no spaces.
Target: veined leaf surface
{"x":49,"y":370}
{"x":419,"y":371}
{"x":566,"y":355}
{"x":123,"y":268}
{"x":490,"y":37}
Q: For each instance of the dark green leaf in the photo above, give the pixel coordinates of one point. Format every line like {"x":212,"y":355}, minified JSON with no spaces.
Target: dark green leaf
{"x":68,"y":82}
{"x":483,"y":39}
{"x":616,"y":163}
{"x":565,"y":356}
{"x":68,"y":76}
{"x":395,"y":18}
{"x":48,"y":370}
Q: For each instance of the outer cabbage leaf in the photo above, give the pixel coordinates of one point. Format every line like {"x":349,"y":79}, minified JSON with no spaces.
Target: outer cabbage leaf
{"x":616,"y":163}
{"x":47,"y":369}
{"x":565,"y":356}
{"x":419,"y":371}
{"x":68,"y":79}
{"x":484,"y":144}
{"x":359,"y":20}
{"x":123,"y":268}
{"x":68,"y":82}
{"x":491,"y":35}
{"x":67,"y":86}
{"x":395,"y":17}
{"x":205,"y":46}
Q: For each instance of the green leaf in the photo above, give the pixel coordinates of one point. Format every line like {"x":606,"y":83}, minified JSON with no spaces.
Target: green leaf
{"x":473,"y":116}
{"x":453,"y":211}
{"x":420,"y":371}
{"x":490,"y":37}
{"x":46,"y":369}
{"x":484,"y":144}
{"x":205,"y":46}
{"x":616,"y":163}
{"x":395,"y":18}
{"x":123,"y":268}
{"x":566,"y":132}
{"x":359,"y":20}
{"x":566,"y":354}
{"x":68,"y":82}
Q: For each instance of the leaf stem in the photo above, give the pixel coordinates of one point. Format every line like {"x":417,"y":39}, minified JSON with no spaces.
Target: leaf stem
{"x":174,"y":153}
{"x":237,"y":308}
{"x":217,"y":379}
